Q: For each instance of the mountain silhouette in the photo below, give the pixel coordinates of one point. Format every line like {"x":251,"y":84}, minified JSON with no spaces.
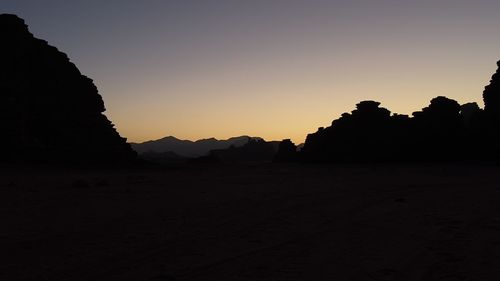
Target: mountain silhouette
{"x":51,"y":113}
{"x":443,"y":131}
{"x":187,"y":148}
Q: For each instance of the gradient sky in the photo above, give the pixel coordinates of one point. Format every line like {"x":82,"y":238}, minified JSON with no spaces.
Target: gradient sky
{"x":276,"y":69}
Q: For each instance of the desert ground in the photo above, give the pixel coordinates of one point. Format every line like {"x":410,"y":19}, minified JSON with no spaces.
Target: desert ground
{"x":251,"y":222}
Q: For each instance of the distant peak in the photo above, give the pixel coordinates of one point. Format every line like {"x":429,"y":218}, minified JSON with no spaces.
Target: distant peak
{"x":208,"y":139}
{"x":169,"y":138}
{"x":241,"y":137}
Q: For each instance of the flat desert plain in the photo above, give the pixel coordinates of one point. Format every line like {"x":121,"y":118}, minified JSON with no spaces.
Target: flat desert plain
{"x":251,"y":222}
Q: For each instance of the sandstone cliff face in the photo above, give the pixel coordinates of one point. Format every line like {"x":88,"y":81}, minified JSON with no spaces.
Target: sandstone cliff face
{"x":49,"y":111}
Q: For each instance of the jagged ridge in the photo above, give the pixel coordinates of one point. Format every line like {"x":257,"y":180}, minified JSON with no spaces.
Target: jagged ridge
{"x":50,"y":111}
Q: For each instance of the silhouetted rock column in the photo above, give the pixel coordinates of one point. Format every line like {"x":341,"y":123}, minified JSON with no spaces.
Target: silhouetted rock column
{"x":439,"y":131}
{"x":491,"y":94}
{"x":287,"y":151}
{"x":490,"y":121}
{"x":470,"y":112}
{"x":50,"y":112}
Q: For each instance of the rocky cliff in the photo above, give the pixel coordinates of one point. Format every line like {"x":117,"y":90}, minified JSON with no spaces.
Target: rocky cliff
{"x":49,"y":111}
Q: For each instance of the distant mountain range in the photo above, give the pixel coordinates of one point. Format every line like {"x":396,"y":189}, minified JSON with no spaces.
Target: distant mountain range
{"x":187,"y":148}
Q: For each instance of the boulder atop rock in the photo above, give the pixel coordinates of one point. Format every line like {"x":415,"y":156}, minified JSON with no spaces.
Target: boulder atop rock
{"x":49,"y":111}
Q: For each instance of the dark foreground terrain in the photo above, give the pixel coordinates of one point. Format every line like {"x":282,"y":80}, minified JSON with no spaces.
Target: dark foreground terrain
{"x":252,"y":222}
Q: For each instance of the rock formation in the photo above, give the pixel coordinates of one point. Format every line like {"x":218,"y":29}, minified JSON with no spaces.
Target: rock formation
{"x":371,"y":134}
{"x":491,"y":94}
{"x":253,"y":150}
{"x":287,"y":151}
{"x":50,"y":112}
{"x":363,"y":135}
{"x":438,"y":131}
{"x":490,"y":119}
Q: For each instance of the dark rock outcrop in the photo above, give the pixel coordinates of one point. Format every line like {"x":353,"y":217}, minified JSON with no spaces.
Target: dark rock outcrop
{"x":491,"y":94}
{"x":489,"y":120}
{"x":49,"y":111}
{"x":438,"y":131}
{"x":368,"y":133}
{"x":443,"y":131}
{"x":254,"y":150}
{"x":287,"y":151}
{"x":470,"y":112}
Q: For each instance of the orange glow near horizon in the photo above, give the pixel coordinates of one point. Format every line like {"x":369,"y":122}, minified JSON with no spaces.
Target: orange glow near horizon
{"x":286,"y":105}
{"x":273,"y":69}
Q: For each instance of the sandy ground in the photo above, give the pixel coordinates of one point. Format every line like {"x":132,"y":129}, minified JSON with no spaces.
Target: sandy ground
{"x":252,"y":222}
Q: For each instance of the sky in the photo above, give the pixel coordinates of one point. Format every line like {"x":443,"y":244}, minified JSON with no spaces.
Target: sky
{"x":276,"y":68}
